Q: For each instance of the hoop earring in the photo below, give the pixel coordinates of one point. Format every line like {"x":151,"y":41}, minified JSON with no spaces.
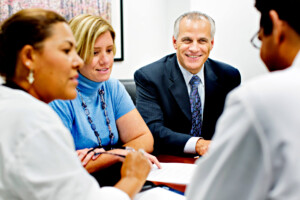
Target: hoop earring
{"x":30,"y":77}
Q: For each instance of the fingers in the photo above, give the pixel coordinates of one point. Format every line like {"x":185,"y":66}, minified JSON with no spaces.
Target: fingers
{"x":87,"y":158}
{"x":136,"y":164}
{"x":142,"y":151}
{"x":97,"y":150}
{"x":82,"y":153}
{"x":153,"y":160}
{"x":202,"y":146}
{"x":203,"y":149}
{"x":85,"y":155}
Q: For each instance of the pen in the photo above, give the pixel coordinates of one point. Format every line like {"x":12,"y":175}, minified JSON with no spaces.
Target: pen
{"x":105,"y":152}
{"x":147,"y":187}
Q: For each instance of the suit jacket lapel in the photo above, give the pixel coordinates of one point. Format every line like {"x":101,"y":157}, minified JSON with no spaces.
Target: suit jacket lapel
{"x":177,"y":87}
{"x":211,"y":84}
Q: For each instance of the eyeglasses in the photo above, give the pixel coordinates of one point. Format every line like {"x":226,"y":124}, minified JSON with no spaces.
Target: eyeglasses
{"x":255,"y":41}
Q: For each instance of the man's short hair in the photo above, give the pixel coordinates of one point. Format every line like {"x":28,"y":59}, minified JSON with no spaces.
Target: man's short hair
{"x":288,"y":10}
{"x":194,"y":15}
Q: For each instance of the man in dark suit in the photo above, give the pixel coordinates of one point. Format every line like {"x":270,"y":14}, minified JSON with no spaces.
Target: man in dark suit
{"x":167,"y":100}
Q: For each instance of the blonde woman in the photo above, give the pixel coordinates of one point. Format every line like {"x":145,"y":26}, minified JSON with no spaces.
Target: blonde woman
{"x":102,"y":117}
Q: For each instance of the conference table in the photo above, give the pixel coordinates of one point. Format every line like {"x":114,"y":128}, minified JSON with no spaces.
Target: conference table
{"x":175,"y":159}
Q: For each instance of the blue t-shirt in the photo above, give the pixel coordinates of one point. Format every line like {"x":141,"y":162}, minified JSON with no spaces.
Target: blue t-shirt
{"x":73,"y":116}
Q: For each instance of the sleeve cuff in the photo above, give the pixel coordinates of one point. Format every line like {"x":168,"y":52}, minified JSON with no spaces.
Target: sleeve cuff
{"x":190,"y":146}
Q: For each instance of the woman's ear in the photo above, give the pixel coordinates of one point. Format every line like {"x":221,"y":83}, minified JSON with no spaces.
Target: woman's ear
{"x":26,"y":56}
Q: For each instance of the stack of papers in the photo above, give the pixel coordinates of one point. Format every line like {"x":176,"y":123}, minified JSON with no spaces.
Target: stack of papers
{"x":177,"y":173}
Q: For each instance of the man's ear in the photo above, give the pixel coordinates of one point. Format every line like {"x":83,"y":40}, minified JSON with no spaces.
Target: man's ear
{"x":27,"y":55}
{"x":212,"y":42}
{"x":277,"y":23}
{"x":174,"y":42}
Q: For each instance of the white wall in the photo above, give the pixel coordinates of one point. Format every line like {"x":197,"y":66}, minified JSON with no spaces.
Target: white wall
{"x":236,"y":22}
{"x":148,"y":29}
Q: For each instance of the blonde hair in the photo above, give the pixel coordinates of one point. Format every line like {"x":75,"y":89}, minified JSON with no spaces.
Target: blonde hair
{"x":86,"y":29}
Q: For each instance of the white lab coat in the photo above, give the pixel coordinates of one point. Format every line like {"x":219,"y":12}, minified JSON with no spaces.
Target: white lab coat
{"x":37,"y":156}
{"x":255,"y":151}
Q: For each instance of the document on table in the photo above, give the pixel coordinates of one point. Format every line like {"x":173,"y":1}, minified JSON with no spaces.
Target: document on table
{"x":158,"y":194}
{"x":178,"y":173}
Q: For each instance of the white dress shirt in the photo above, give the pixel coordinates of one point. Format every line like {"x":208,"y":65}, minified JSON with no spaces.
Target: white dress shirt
{"x":190,"y":146}
{"x":38,"y":160}
{"x":254,"y":153}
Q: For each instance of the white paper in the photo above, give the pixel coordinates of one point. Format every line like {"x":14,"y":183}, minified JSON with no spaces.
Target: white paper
{"x":178,"y":173}
{"x":159,"y":194}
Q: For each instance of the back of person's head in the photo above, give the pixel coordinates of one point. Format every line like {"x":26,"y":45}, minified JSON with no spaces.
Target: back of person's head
{"x":288,"y":10}
{"x":194,"y":15}
{"x":26,"y":27}
{"x":86,"y":29}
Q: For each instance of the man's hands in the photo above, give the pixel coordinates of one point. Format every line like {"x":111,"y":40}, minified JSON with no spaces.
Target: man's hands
{"x":202,"y":146}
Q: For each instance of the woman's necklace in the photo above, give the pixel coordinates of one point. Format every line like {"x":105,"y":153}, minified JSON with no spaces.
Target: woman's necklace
{"x":93,"y":126}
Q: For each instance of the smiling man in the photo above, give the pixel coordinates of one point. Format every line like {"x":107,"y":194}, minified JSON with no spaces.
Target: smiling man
{"x":181,"y":96}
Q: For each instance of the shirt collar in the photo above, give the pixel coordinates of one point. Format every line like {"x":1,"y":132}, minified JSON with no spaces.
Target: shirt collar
{"x":87,"y":86}
{"x":13,"y":85}
{"x":188,"y":75}
{"x":296,"y":61}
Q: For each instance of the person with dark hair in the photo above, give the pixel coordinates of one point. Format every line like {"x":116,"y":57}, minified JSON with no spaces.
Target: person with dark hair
{"x":37,"y":155}
{"x":254,"y":153}
{"x":182,"y":95}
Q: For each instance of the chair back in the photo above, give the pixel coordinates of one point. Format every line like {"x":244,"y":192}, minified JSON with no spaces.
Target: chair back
{"x":130,"y":87}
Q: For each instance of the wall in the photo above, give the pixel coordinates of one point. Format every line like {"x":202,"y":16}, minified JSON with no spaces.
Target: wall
{"x":236,"y":22}
{"x":148,"y":28}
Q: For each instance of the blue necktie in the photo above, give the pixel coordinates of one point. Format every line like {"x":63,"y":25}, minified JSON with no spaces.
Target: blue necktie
{"x":196,"y":109}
